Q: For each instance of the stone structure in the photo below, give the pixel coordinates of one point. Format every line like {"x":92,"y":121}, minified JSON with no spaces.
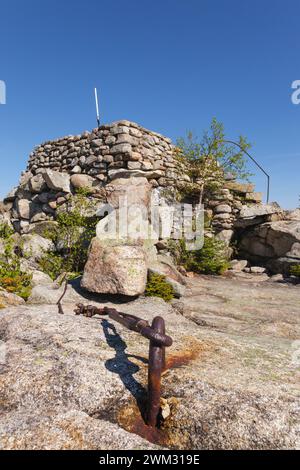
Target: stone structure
{"x":95,"y":159}
{"x":123,"y":158}
{"x":119,"y":149}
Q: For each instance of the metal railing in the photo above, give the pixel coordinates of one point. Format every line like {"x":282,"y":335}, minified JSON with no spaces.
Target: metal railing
{"x":254,"y":161}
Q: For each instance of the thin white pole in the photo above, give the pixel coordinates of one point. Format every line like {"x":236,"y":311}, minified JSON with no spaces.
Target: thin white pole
{"x":97,"y":107}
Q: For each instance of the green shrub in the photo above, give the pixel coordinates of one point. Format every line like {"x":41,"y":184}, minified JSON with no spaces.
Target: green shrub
{"x":5,"y":230}
{"x":211,"y":259}
{"x":76,"y":226}
{"x":158,"y":287}
{"x":295,"y":270}
{"x":12,"y":278}
{"x":52,"y":264}
{"x":16,"y":282}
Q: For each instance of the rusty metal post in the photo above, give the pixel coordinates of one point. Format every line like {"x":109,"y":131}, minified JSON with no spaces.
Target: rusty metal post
{"x":156,"y":365}
{"x":157,"y":351}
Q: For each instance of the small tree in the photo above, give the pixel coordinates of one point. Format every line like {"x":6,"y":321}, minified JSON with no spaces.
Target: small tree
{"x":210,"y":159}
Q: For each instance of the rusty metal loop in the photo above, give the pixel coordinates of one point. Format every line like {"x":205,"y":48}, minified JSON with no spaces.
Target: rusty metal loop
{"x":158,"y":343}
{"x":131,"y":322}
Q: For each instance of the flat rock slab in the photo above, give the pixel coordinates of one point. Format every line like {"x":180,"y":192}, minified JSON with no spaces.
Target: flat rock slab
{"x":232,"y":379}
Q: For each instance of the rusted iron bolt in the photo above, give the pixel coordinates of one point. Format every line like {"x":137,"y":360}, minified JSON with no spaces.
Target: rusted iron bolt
{"x":156,"y":367}
{"x":157,"y":352}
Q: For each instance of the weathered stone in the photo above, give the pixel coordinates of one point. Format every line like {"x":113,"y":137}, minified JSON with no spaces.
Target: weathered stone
{"x":8,"y":299}
{"x":248,"y":212}
{"x":23,"y":207}
{"x":292,"y":215}
{"x":108,"y":158}
{"x":255,"y":214}
{"x":223,"y":208}
{"x":121,"y":173}
{"x":25,"y":177}
{"x":35,"y":246}
{"x":45,"y":294}
{"x":146,"y":165}
{"x":225,"y":236}
{"x":40,"y":228}
{"x":97,"y":143}
{"x":254,"y":197}
{"x":40,"y":279}
{"x":52,"y":205}
{"x":127,"y":139}
{"x":115,"y":269}
{"x":242,"y":188}
{"x":276,"y":278}
{"x":238,"y":265}
{"x":134,"y":165}
{"x":271,"y":241}
{"x":136,"y":156}
{"x":164,"y":265}
{"x":76,"y":169}
{"x":60,"y":400}
{"x":121,"y":148}
{"x":40,"y":216}
{"x":223,"y":216}
{"x":115,"y":130}
{"x":137,"y":191}
{"x":83,"y":181}
{"x":257,"y":270}
{"x":37,"y":184}
{"x":57,"y":181}
{"x":92,"y":159}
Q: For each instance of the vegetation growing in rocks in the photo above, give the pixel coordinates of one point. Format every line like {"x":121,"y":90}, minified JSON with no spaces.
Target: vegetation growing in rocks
{"x":52,"y":264}
{"x":211,"y":259}
{"x":76,"y":226}
{"x":295,"y":270}
{"x":211,"y":159}
{"x":158,"y":287}
{"x":5,"y":231}
{"x":12,"y":278}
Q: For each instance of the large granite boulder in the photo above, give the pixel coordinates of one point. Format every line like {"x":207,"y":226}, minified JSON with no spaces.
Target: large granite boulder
{"x":272,"y":242}
{"x":256,"y":214}
{"x":115,"y":268}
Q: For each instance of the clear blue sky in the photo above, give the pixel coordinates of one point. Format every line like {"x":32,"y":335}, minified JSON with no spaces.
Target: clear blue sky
{"x":170,"y":65}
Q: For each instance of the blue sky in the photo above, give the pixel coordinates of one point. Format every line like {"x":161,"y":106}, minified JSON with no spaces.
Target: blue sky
{"x":170,"y":65}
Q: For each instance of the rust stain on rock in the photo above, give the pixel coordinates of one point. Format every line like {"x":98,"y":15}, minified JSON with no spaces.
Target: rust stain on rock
{"x":130,"y":419}
{"x":192,"y":351}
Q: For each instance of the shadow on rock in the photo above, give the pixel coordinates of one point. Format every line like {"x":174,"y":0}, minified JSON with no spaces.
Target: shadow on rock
{"x":122,"y":366}
{"x":101,"y":298}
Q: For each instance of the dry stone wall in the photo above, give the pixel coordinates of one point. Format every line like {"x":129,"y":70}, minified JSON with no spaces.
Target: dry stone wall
{"x":96,"y":160}
{"x":119,"y":149}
